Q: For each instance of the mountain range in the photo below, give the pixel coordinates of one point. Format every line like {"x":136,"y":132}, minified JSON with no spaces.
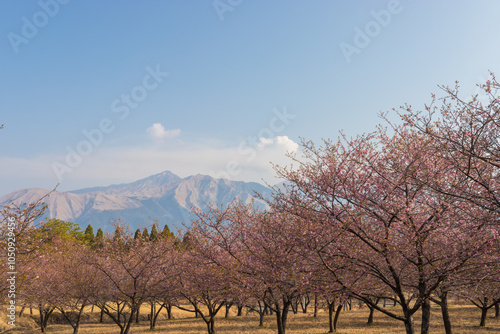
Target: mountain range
{"x":164,"y":197}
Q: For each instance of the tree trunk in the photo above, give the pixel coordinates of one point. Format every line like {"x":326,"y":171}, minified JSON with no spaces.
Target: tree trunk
{"x":484,"y":313}
{"x":315,"y":305}
{"x":497,"y":310}
{"x":228,"y":307}
{"x":168,"y":306}
{"x":331,"y":307}
{"x":126,"y":328}
{"x":426,"y":317}
{"x":22,"y":311}
{"x":370,"y":316}
{"x":279,"y":322}
{"x":44,"y":317}
{"x":102,"y":315}
{"x":262,"y":312}
{"x":43,"y":328}
{"x":154,"y":313}
{"x":409,"y":326}
{"x":211,"y":326}
{"x":305,"y":303}
{"x":281,"y":316}
{"x":137,"y":314}
{"x":240,"y":310}
{"x":152,"y":316}
{"x":445,"y":313}
{"x":336,"y":319}
{"x":261,"y":319}
{"x":372,"y":310}
{"x":295,"y":306}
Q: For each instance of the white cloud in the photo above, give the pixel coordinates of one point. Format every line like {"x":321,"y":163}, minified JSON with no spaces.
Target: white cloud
{"x":105,"y":166}
{"x":279,"y":141}
{"x":158,"y":131}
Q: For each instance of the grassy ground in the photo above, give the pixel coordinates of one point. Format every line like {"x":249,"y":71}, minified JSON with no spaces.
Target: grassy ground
{"x":465,"y":320}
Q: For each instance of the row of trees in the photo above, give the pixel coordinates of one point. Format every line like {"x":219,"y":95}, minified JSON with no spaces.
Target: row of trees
{"x":263,"y":260}
{"x":409,"y":213}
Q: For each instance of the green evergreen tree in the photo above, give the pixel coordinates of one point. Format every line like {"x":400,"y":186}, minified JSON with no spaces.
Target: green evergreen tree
{"x":99,"y":238}
{"x":88,"y":236}
{"x":99,"y":235}
{"x":138,"y":234}
{"x":154,"y":233}
{"x":118,"y":234}
{"x":187,"y":240}
{"x":166,"y":233}
{"x":145,"y":234}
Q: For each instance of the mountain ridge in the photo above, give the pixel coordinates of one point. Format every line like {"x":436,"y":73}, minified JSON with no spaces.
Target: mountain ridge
{"x":163,"y":197}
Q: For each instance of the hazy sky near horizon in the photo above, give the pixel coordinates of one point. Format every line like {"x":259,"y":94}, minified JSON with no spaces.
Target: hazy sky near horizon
{"x":102,"y":92}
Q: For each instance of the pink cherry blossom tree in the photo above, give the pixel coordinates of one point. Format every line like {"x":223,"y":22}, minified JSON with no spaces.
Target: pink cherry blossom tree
{"x":76,"y":280}
{"x":464,"y":133}
{"x":201,"y":284}
{"x":258,"y":249}
{"x":398,"y":235}
{"x":17,"y":236}
{"x":130,"y":269}
{"x":162,"y":293}
{"x":38,"y":285}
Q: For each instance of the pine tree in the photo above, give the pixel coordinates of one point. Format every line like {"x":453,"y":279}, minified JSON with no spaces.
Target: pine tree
{"x":88,"y":236}
{"x":166,"y":233}
{"x":145,"y":234}
{"x":118,"y":234}
{"x":138,"y":234}
{"x":187,"y":240}
{"x":154,"y":233}
{"x":99,"y":238}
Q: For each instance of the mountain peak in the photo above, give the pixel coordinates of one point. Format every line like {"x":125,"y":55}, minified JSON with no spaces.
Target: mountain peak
{"x":165,"y":176}
{"x":152,"y":186}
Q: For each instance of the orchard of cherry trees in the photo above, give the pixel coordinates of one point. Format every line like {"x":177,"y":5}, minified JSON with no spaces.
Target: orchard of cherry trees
{"x":408,"y":213}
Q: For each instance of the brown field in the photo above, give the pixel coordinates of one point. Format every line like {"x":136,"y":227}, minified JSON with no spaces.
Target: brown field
{"x":465,"y":320}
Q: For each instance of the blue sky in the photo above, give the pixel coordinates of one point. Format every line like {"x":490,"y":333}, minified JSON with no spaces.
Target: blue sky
{"x":216,"y":87}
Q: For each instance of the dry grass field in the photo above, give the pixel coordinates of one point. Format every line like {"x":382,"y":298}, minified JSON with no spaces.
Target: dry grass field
{"x":465,"y":320}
